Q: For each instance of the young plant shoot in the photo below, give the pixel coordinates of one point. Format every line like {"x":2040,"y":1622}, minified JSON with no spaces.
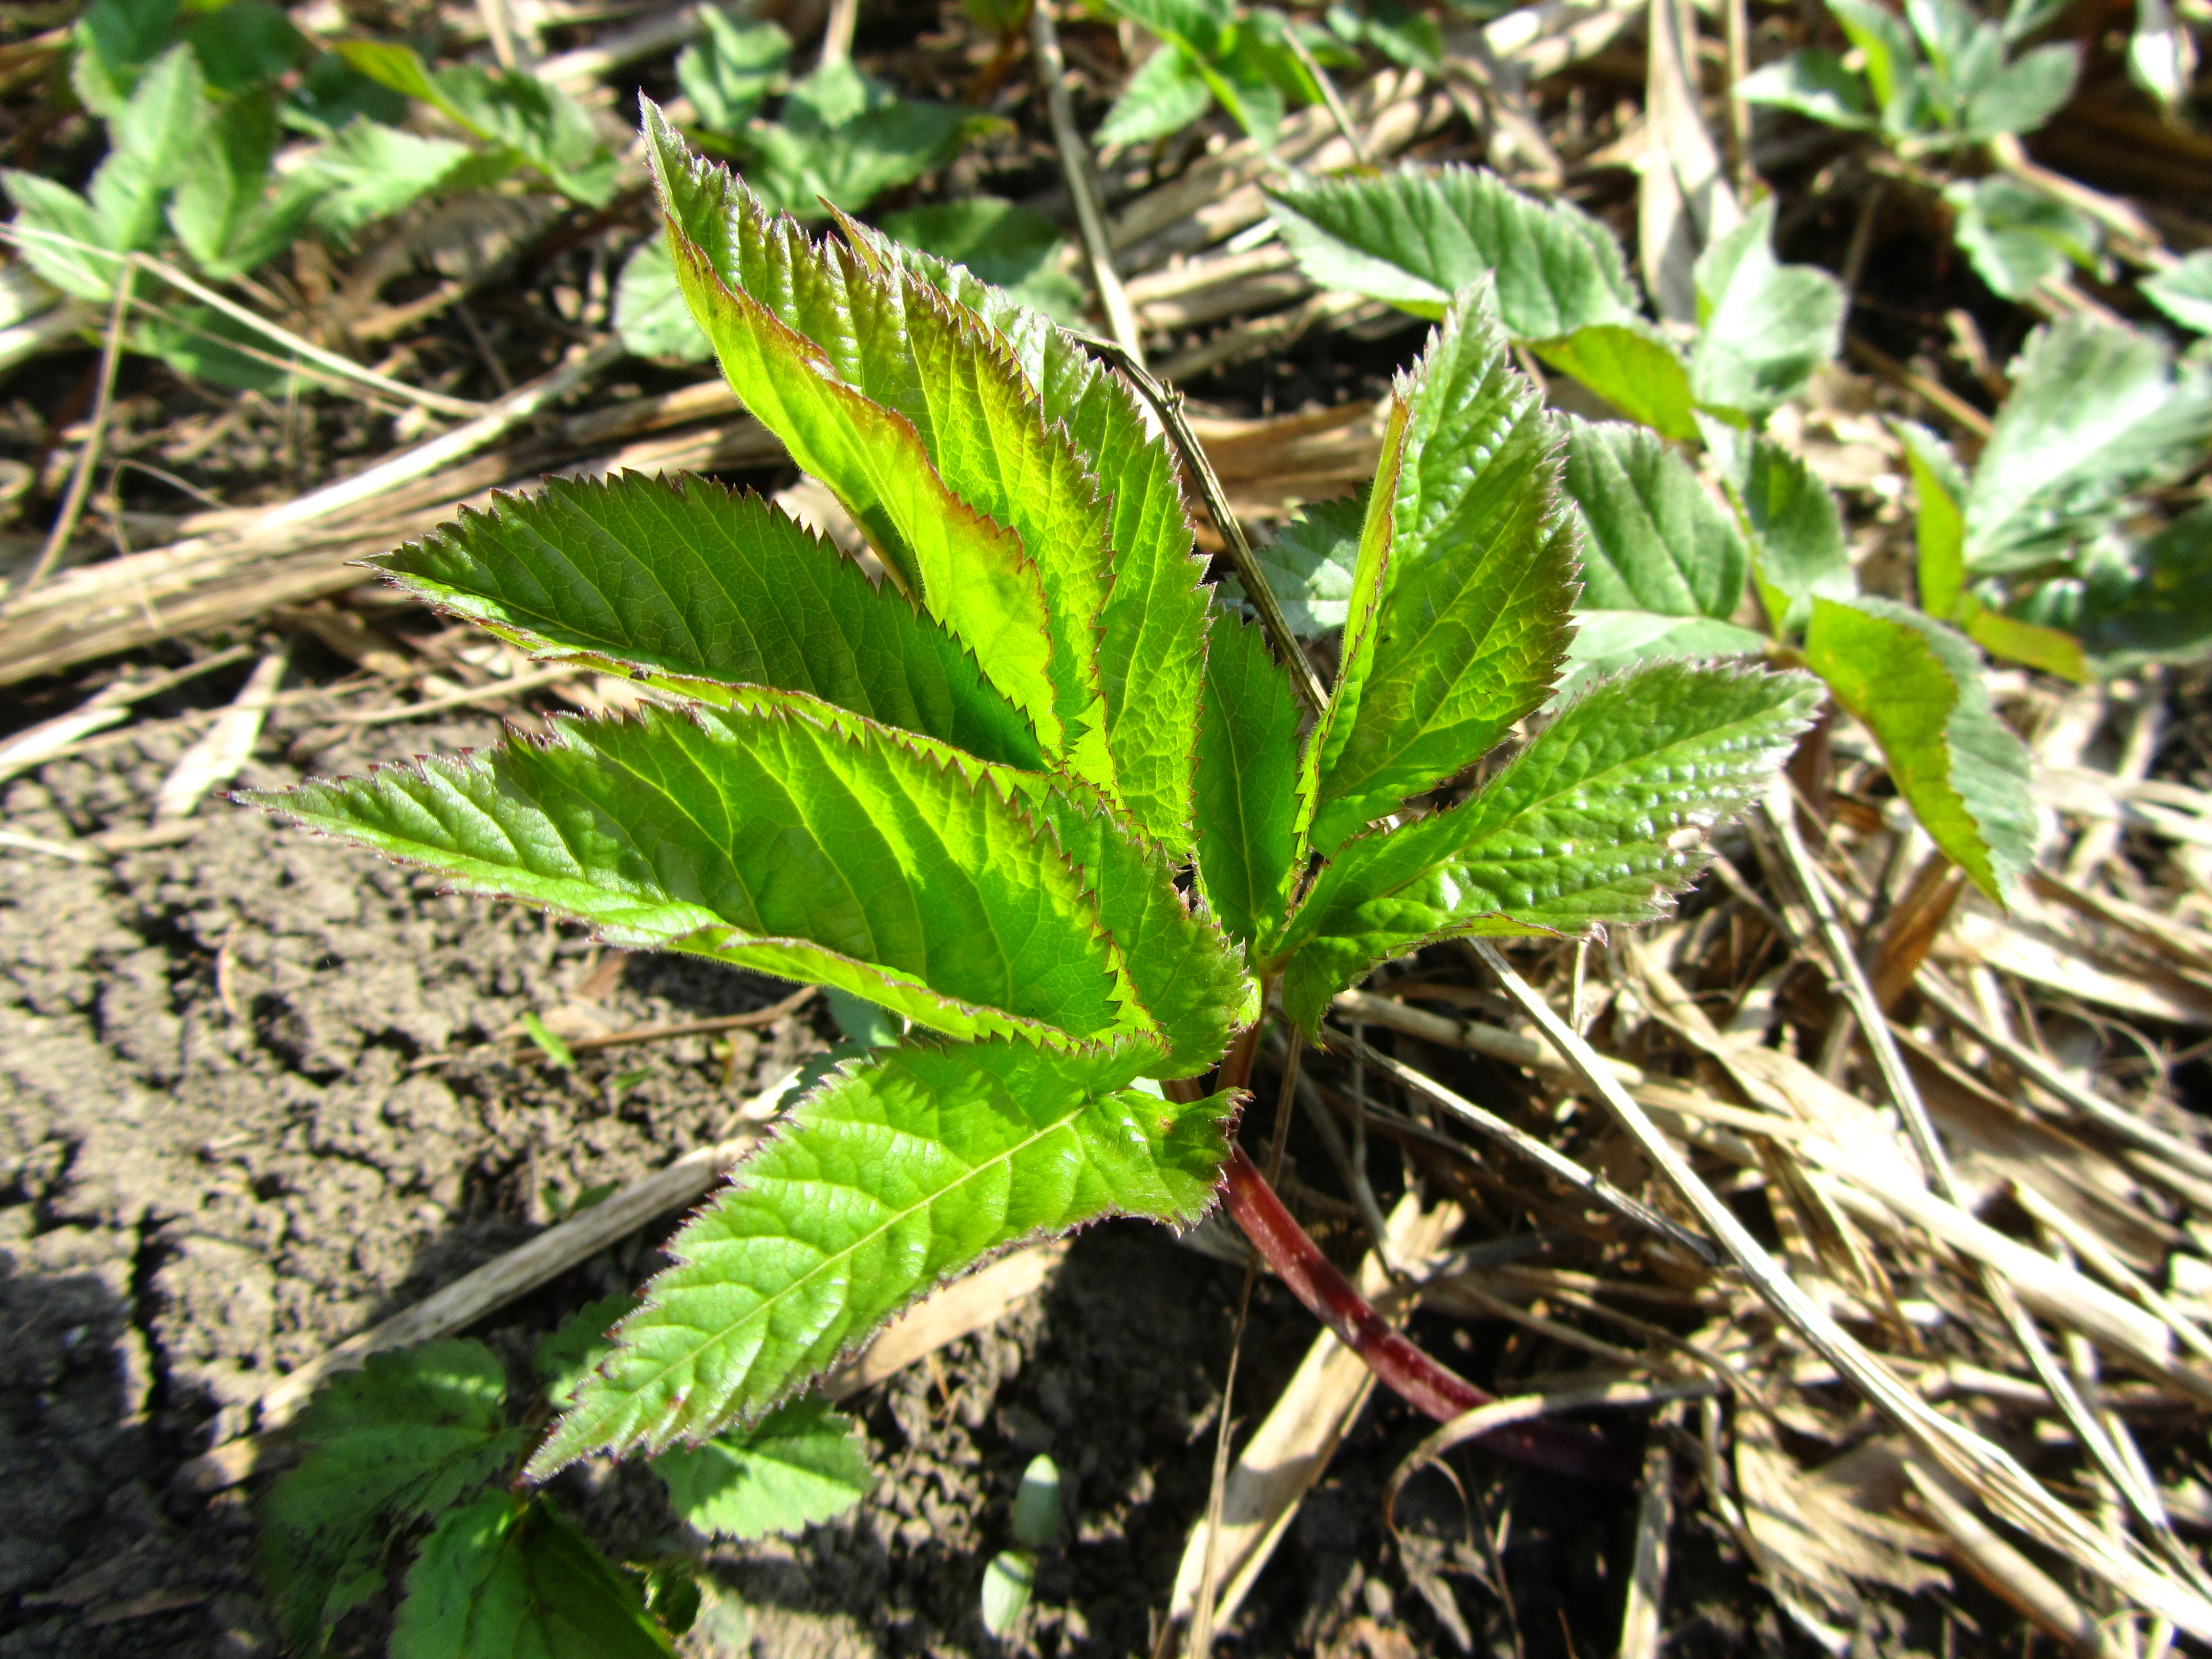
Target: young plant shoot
{"x":1036,"y":793}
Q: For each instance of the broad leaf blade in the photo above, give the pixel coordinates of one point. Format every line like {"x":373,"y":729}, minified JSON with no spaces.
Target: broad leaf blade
{"x":1584,"y":827}
{"x":416,"y":1430}
{"x":1795,"y":528}
{"x":1247,"y":753}
{"x":697,"y":581}
{"x":1166,"y":94}
{"x":2096,"y":412}
{"x":2017,"y":237}
{"x":1764,"y":326}
{"x":1416,"y":238}
{"x":1814,"y":83}
{"x":969,"y":573}
{"x":897,"y":1174}
{"x":1307,"y":563}
{"x":1630,"y":365}
{"x":774,"y":841}
{"x":1153,"y":631}
{"x":2184,"y":292}
{"x":1918,"y":688}
{"x":509,"y":1576}
{"x":152,"y":143}
{"x":1939,"y":491}
{"x":2156,"y":603}
{"x":1472,"y":571}
{"x":802,"y":1464}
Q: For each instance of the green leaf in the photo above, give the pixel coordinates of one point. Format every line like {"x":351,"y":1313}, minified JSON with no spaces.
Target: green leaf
{"x":897,"y":1174}
{"x":569,"y":1354}
{"x":1308,"y":563}
{"x":223,"y":212}
{"x":1892,"y":63}
{"x":1797,"y":530}
{"x":1006,"y":245}
{"x":1814,"y":83}
{"x":244,"y":46}
{"x":202,"y":343}
{"x":511,"y":108}
{"x":845,"y":139}
{"x":802,"y":1464}
{"x":1663,"y":563}
{"x":369,"y":172}
{"x":1153,"y":631}
{"x":1248,"y":752}
{"x":1466,"y":574}
{"x":2155,"y":605}
{"x":2018,"y":237}
{"x":1632,"y":367}
{"x":1764,"y":326}
{"x":839,"y":855}
{"x":2018,"y":641}
{"x":865,"y":1025}
{"x":844,"y":370}
{"x":1166,"y":94}
{"x":1415,"y":238}
{"x":1585,"y":826}
{"x":151,"y":144}
{"x":60,"y":238}
{"x":115,"y":41}
{"x":1917,"y":686}
{"x":2184,"y":292}
{"x":508,"y":1576}
{"x":414,"y":1432}
{"x":2026,"y":93}
{"x":332,"y":93}
{"x":727,"y":75}
{"x":2096,"y":413}
{"x":650,"y":313}
{"x":1939,"y":491}
{"x":695,"y":582}
{"x":1408,"y":37}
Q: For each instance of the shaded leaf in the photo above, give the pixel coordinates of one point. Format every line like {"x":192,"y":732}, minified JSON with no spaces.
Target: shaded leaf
{"x":414,"y":1432}
{"x":2155,"y":605}
{"x":1814,"y":83}
{"x":1918,"y":688}
{"x":801,"y":1464}
{"x":698,"y":582}
{"x":1763,"y":327}
{"x":224,"y":212}
{"x":895,"y":1174}
{"x":1585,"y":827}
{"x":1247,"y":749}
{"x":1415,"y":238}
{"x":509,"y":1576}
{"x":844,"y":137}
{"x":1466,"y":574}
{"x":2018,"y":237}
{"x":730,"y":72}
{"x":244,"y":45}
{"x":771,"y":841}
{"x":650,"y":313}
{"x":2184,"y":292}
{"x":573,"y":1352}
{"x":1308,"y":563}
{"x":1797,"y":530}
{"x":1166,"y":94}
{"x":1004,"y":244}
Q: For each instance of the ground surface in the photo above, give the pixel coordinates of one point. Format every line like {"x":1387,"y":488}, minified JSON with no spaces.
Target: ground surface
{"x":219,"y":1155}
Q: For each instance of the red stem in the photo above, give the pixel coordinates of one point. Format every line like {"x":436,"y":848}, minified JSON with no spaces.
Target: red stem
{"x":1560,"y":1447}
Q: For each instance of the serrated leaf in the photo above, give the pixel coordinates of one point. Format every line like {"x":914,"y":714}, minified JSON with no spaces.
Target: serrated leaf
{"x":2018,"y":237}
{"x":1763,"y":327}
{"x":1939,"y":492}
{"x":844,"y":138}
{"x":1307,"y":563}
{"x":1917,"y":686}
{"x":244,"y":46}
{"x":509,"y":1576}
{"x":1795,"y":528}
{"x":836,"y":854}
{"x":895,"y":1174}
{"x":801,"y":1464}
{"x":60,"y":238}
{"x":223,"y":211}
{"x":1663,"y":563}
{"x":2155,"y":604}
{"x":2184,"y":292}
{"x":1004,"y":244}
{"x":1466,"y":575}
{"x":573,"y":1351}
{"x":1814,"y":83}
{"x":650,"y":313}
{"x":727,"y":74}
{"x":816,"y":370}
{"x":414,"y":1430}
{"x":1247,"y":751}
{"x":1415,"y":238}
{"x":1166,"y":94}
{"x":1632,"y":367}
{"x":698,"y":582}
{"x":2096,"y":413}
{"x":1153,"y":630}
{"x":151,"y":143}
{"x":1593,"y":823}
{"x":2024,"y":94}
{"x":511,"y":108}
{"x":369,"y":171}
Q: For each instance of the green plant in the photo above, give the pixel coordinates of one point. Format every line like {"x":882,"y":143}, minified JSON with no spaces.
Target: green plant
{"x":1255,"y":61}
{"x":1666,"y":565}
{"x":1941,"y":80}
{"x":195,"y":110}
{"x":1033,"y":794}
{"x":415,"y":1456}
{"x":839,"y":140}
{"x":1011,"y":1574}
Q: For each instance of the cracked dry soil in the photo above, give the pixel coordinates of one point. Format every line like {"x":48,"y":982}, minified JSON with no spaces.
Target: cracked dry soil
{"x":219,"y":1155}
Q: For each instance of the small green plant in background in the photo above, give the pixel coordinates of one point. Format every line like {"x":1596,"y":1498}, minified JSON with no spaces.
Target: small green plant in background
{"x":1012,"y":1575}
{"x":194,"y":112}
{"x":1034,"y":794}
{"x":1255,"y":61}
{"x":413,"y":1459}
